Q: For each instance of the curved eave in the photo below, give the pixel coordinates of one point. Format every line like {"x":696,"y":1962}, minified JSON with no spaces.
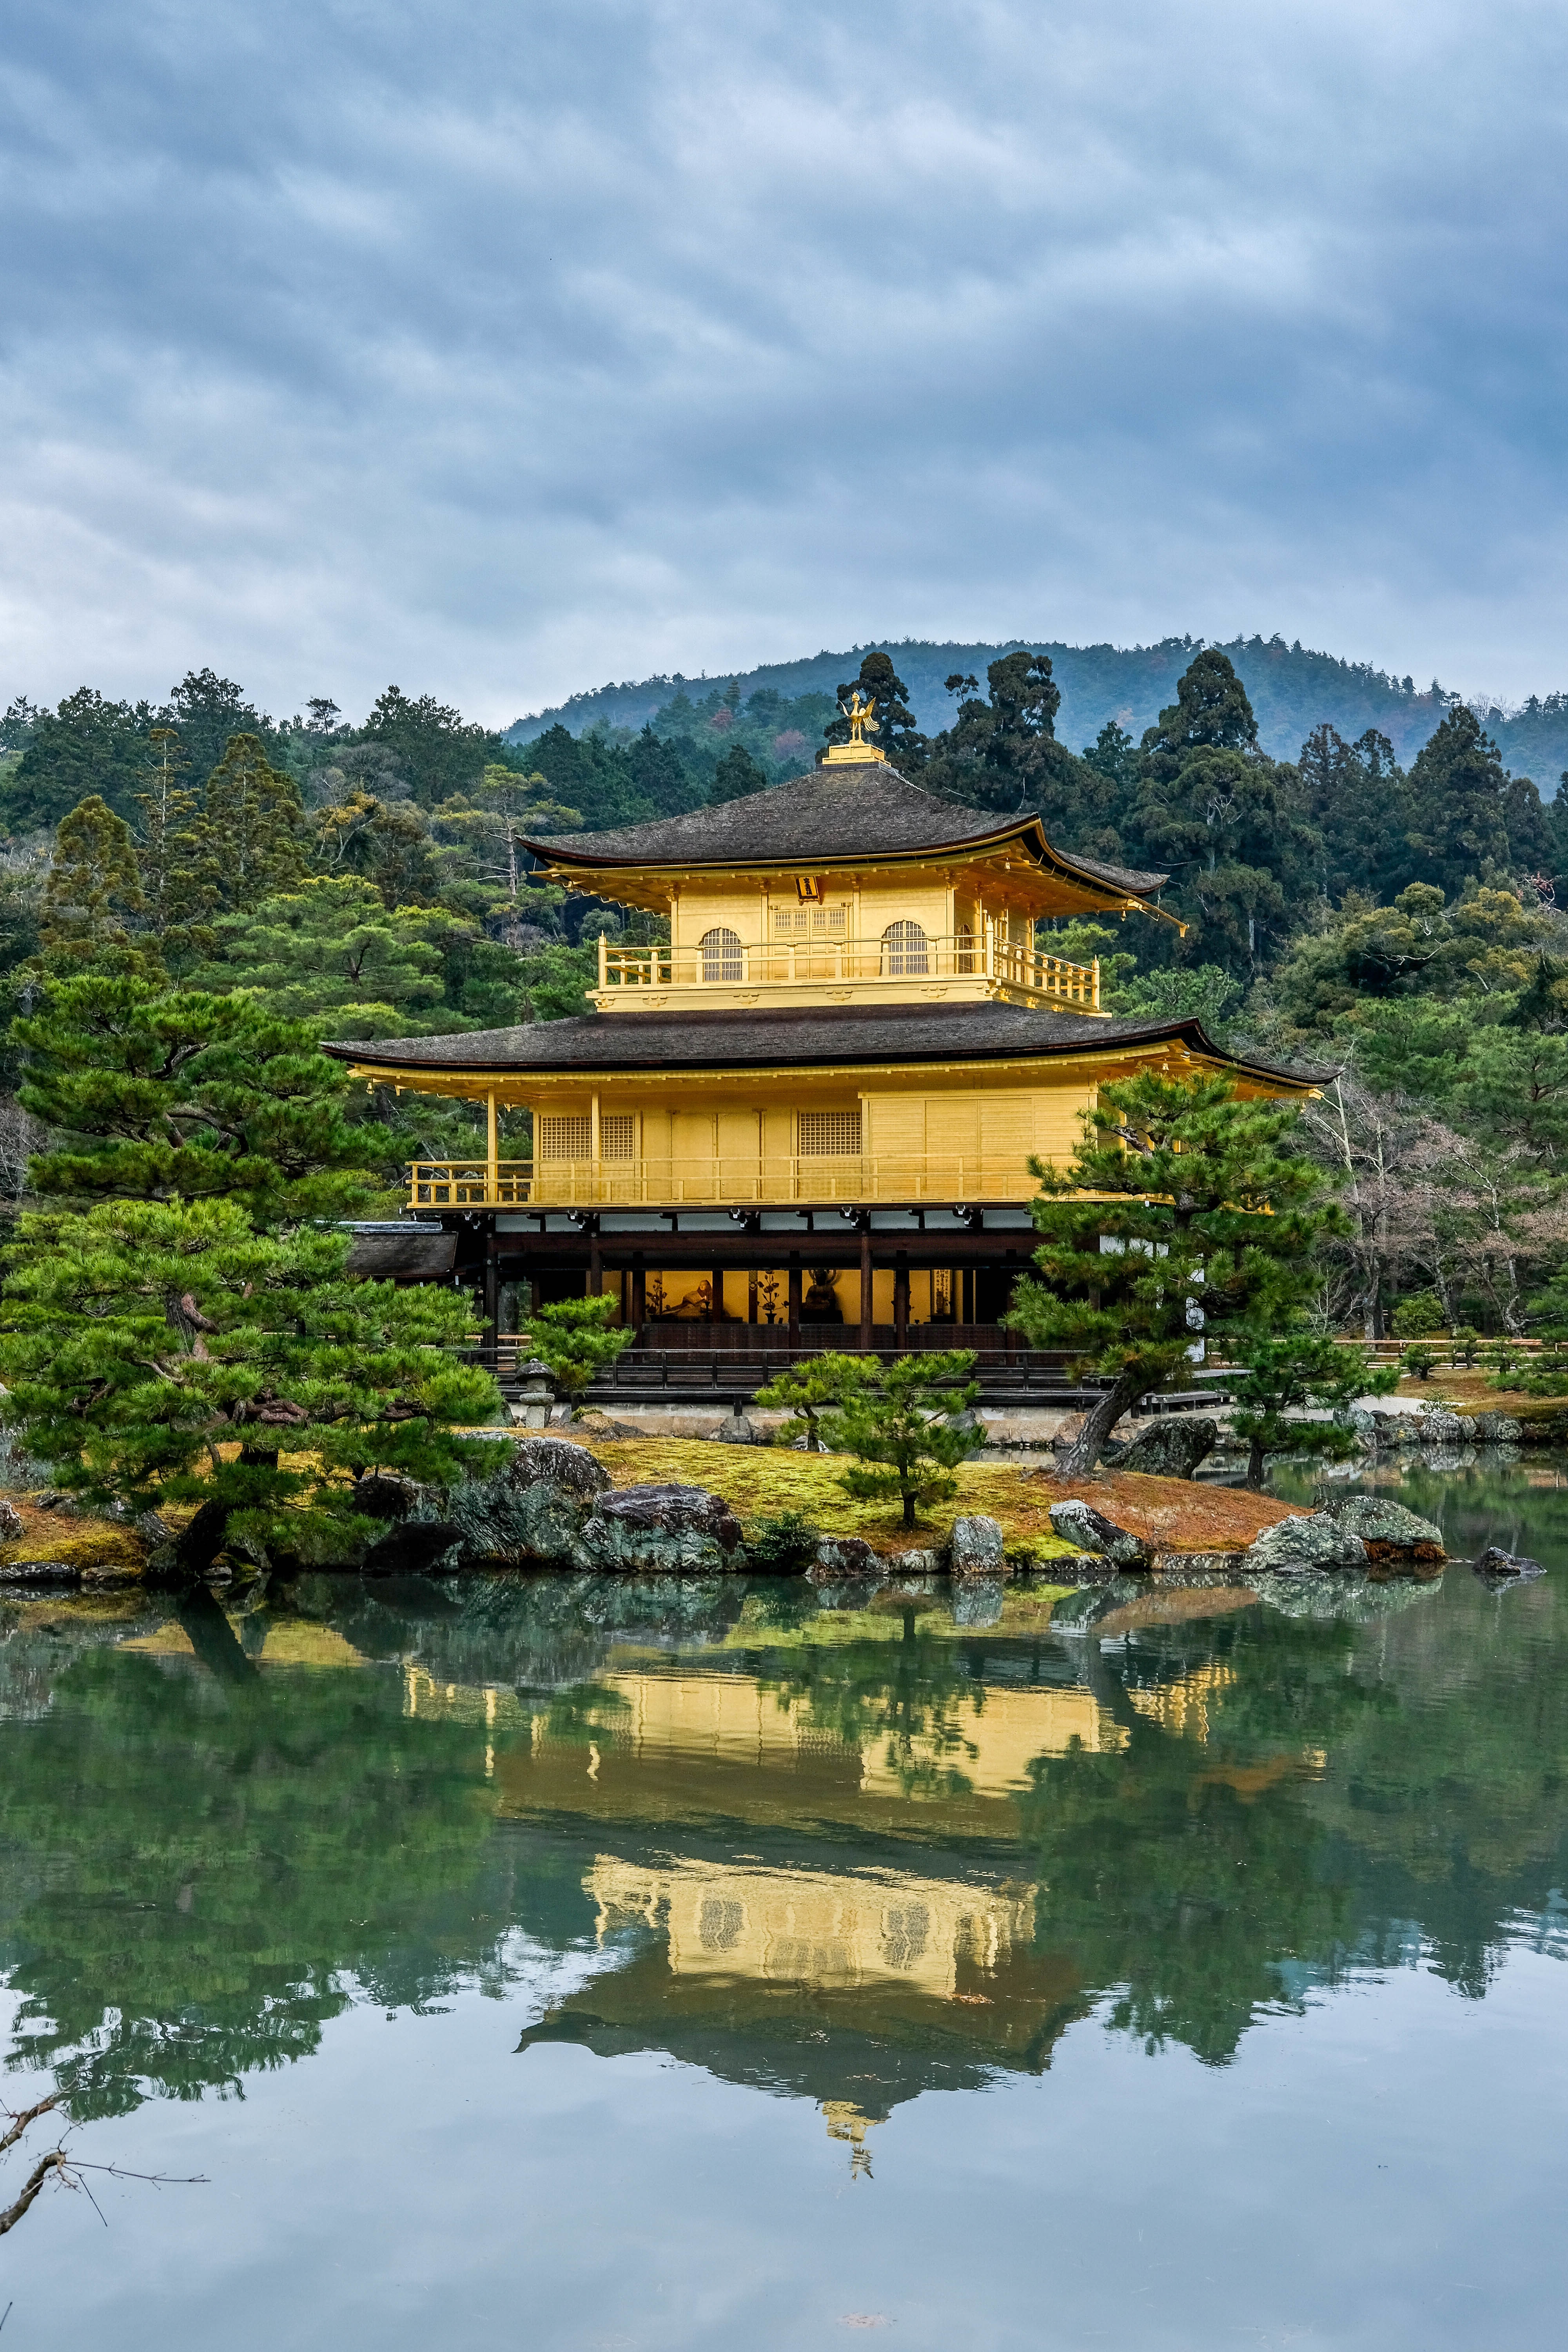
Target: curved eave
{"x":1189,"y":1035}
{"x":1026,"y":834}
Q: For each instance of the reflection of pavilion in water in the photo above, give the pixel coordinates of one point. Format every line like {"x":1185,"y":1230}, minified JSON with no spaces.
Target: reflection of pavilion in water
{"x":856,"y":1986}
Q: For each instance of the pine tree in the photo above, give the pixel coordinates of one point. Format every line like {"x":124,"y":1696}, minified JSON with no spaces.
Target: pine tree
{"x":330,"y":954}
{"x":253,"y":826}
{"x":164,"y":1353}
{"x":809,"y":1390}
{"x":92,"y":893}
{"x":172,"y":854}
{"x":1225,"y":823}
{"x":903,"y":1422}
{"x":1291,"y":1389}
{"x":160,"y":1094}
{"x":1356,"y":798}
{"x":898,"y":732}
{"x":1185,"y":1212}
{"x":574,"y":1339}
{"x":1460,"y":793}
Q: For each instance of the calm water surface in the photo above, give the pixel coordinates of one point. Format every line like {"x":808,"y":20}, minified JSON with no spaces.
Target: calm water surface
{"x":605,"y":1964}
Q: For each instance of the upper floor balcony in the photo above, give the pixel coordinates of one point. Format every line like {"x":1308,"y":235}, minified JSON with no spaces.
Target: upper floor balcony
{"x":720,"y":971}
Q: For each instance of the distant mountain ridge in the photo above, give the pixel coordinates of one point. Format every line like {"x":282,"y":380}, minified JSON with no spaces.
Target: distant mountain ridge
{"x":1292,"y":690}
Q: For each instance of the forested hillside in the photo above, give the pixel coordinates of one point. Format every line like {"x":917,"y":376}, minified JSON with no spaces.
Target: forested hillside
{"x":193,"y":893}
{"x":1291,"y":691}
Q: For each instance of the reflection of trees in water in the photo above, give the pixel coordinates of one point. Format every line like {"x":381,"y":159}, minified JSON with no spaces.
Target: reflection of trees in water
{"x":199,"y":1863}
{"x":911,"y":1700}
{"x":188,"y":1871}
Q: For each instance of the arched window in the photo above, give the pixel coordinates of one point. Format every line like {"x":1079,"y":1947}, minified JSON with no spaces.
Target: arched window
{"x":721,"y":958}
{"x":904,"y":950}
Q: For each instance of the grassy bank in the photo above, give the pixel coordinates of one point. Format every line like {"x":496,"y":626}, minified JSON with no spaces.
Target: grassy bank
{"x":764,"y":1481}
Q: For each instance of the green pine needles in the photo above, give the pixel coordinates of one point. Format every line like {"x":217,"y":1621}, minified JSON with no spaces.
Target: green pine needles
{"x":1186,"y":1214}
{"x":166,"y":1352}
{"x":902,"y":1422}
{"x":574,"y":1337}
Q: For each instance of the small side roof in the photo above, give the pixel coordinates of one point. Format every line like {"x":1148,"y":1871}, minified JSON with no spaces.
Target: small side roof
{"x":852,"y":810}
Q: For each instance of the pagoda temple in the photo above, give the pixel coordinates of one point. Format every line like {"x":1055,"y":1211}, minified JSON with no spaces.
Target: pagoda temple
{"x":818,"y":1104}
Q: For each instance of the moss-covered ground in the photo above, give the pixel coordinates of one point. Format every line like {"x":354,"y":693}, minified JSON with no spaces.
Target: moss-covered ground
{"x":761,"y":1481}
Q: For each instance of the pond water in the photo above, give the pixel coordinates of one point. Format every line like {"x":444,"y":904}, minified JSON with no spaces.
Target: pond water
{"x":587,"y":1963}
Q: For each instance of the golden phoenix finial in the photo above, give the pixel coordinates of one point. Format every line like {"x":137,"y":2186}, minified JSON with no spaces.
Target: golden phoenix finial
{"x":860,"y":711}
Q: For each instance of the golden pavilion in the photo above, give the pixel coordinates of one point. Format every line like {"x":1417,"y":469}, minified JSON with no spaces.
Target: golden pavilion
{"x":818,"y":1104}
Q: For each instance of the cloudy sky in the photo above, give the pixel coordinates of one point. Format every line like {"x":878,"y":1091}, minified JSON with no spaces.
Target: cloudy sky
{"x":501,"y":350}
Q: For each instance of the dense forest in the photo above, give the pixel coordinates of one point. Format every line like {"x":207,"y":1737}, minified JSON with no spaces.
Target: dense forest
{"x":1291,"y":690}
{"x":1392,"y":920}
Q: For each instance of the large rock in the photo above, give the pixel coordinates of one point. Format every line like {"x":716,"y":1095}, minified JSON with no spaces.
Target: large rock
{"x":975,"y":1546}
{"x":1497,"y":1428}
{"x":11,"y":1528}
{"x":840,"y":1556}
{"x":737,"y":1431}
{"x":914,"y":1563}
{"x":1079,"y":1523}
{"x":1440,"y":1427}
{"x":533,"y":1508}
{"x":1501,"y":1569}
{"x":1391,"y":1536}
{"x":1171,"y":1448}
{"x":1314,"y":1546}
{"x":661,"y":1531}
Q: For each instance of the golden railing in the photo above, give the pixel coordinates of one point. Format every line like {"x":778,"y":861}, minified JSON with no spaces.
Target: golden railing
{"x":958,"y":955}
{"x":852,"y":1177}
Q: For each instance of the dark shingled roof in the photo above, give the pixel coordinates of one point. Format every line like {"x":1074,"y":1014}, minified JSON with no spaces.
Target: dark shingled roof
{"x":856,"y":809}
{"x":848,"y":1033}
{"x":403,"y":1257}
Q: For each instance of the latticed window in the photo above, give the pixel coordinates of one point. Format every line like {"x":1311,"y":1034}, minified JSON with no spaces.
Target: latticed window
{"x":827,"y":1134}
{"x":570,"y":1136}
{"x":905,"y":950}
{"x":810,"y":922}
{"x":721,"y":957}
{"x":564,"y":1135}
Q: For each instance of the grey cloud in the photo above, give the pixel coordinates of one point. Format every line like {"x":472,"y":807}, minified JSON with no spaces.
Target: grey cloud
{"x":499,"y":350}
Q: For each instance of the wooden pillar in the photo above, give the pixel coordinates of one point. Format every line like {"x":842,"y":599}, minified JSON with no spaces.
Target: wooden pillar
{"x":901,"y":1300}
{"x":595,"y":1268}
{"x":492,"y":1289}
{"x":794,"y":1298}
{"x":639,"y":1293}
{"x":753,"y":1309}
{"x":492,"y":1149}
{"x":866,"y":1287}
{"x":715,"y":1312}
{"x":967,"y":1280}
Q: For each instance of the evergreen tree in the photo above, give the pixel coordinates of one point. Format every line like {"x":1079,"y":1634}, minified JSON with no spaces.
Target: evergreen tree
{"x":88,"y":746}
{"x":252,"y":826}
{"x":171,"y":853}
{"x":208,"y":709}
{"x":440,"y":751}
{"x":811,"y":1389}
{"x":160,"y":1093}
{"x":1002,"y":753}
{"x":92,"y":893}
{"x":1291,"y":1390}
{"x":573,"y":1338}
{"x":738,"y":774}
{"x":903,"y":1422}
{"x":898,"y":733}
{"x":330,"y":954}
{"x":1355,"y":797}
{"x":1460,"y":795}
{"x":1184,"y":1211}
{"x":1224,"y":822}
{"x":165,"y":1353}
